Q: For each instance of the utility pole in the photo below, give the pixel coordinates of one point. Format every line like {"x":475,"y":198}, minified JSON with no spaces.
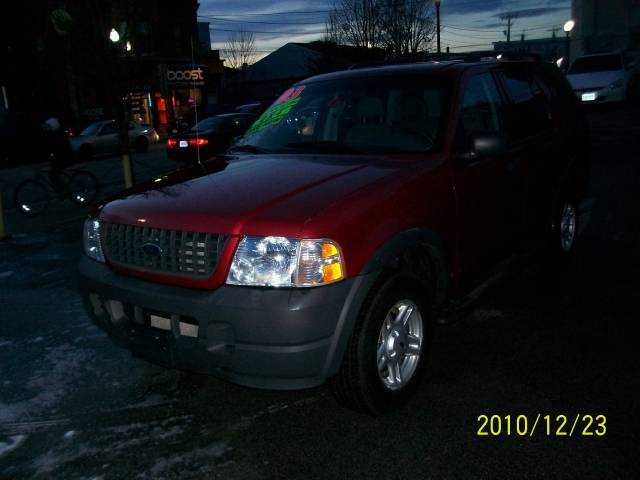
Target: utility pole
{"x":508,"y":17}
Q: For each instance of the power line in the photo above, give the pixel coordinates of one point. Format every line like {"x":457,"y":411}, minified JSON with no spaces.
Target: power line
{"x":267,"y":23}
{"x":299,"y":12}
{"x":280,"y":32}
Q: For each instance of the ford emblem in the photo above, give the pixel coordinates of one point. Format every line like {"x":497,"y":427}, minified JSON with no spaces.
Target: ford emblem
{"x":152,"y":249}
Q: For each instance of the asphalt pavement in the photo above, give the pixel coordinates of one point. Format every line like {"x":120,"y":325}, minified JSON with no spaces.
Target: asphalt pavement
{"x":108,"y":170}
{"x":72,"y":405}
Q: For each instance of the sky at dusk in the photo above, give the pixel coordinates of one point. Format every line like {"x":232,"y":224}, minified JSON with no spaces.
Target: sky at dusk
{"x":467,"y":24}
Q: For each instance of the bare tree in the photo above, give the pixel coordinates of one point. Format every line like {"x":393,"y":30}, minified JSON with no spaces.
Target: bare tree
{"x":408,"y":26}
{"x":402,"y":27}
{"x":240,"y":49}
{"x":333,"y":31}
{"x":356,"y":22}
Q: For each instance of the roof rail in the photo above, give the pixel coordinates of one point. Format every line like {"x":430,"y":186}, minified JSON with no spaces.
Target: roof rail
{"x":417,"y":58}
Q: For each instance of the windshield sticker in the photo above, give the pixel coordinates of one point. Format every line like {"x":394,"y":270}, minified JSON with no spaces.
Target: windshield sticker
{"x":290,"y":94}
{"x":275,"y":114}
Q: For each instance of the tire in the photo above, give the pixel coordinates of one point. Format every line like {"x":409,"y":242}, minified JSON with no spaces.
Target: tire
{"x":85,"y":152}
{"x":83,"y":187}
{"x":141,"y":145}
{"x":564,"y":232}
{"x":368,"y":377}
{"x":31,"y":198}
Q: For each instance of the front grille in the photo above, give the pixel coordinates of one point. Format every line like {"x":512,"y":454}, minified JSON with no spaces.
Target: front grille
{"x":193,"y":254}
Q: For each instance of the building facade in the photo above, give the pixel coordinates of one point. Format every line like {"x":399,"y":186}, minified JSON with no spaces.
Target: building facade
{"x":605,"y":25}
{"x":64,"y":59}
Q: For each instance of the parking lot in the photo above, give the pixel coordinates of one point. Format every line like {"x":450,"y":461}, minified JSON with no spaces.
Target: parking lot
{"x":73,"y":405}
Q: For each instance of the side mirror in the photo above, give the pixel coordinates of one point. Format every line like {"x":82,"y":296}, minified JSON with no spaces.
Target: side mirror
{"x":485,"y":145}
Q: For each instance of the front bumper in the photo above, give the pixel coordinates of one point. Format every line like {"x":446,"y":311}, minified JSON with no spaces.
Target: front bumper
{"x":258,"y":337}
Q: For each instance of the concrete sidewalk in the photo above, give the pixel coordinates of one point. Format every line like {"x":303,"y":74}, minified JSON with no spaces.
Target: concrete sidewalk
{"x":146,"y":166}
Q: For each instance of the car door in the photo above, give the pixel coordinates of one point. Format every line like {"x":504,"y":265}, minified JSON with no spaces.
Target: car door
{"x":488,"y":188}
{"x":107,"y":138}
{"x":531,"y":139}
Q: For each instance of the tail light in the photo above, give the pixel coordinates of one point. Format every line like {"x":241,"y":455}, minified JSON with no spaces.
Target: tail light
{"x":171,"y":143}
{"x":198,"y":142}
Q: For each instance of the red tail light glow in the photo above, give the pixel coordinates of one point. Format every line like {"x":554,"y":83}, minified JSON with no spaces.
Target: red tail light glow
{"x":171,"y":143}
{"x":198,"y":142}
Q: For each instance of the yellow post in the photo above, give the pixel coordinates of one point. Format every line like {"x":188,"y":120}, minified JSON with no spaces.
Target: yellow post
{"x":3,"y":234}
{"x":128,"y":170}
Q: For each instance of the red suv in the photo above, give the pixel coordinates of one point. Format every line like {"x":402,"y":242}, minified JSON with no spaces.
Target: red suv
{"x":359,"y":207}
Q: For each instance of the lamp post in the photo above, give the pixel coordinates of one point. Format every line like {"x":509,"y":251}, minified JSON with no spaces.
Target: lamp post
{"x":568,"y":26}
{"x":121,"y":117}
{"x":437,"y":4}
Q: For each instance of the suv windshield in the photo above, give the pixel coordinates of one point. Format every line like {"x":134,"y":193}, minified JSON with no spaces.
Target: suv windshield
{"x":600,"y":63}
{"x":381,"y":114}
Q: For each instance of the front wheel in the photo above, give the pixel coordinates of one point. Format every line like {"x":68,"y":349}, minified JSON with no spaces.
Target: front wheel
{"x":31,"y":198}
{"x":83,"y":187}
{"x":386,"y":353}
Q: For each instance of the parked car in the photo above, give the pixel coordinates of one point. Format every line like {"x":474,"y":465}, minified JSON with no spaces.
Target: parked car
{"x":209,"y":137}
{"x":600,"y":78}
{"x":102,"y":137}
{"x":255,"y":108}
{"x":358,"y":208}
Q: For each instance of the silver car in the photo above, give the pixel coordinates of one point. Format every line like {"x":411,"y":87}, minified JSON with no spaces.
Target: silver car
{"x":102,"y":137}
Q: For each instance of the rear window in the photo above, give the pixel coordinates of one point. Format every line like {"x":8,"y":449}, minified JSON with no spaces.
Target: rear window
{"x":600,"y":63}
{"x":90,"y":130}
{"x":211,"y":123}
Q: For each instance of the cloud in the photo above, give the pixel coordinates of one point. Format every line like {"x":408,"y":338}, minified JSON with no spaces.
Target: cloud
{"x":534,"y":12}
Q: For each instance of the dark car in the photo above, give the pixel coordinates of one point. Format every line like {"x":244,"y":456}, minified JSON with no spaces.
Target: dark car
{"x":255,"y":108}
{"x":209,"y":137}
{"x":359,"y":208}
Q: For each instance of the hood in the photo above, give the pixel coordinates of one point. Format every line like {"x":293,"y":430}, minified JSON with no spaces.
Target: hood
{"x":594,"y":79}
{"x":249,"y":195}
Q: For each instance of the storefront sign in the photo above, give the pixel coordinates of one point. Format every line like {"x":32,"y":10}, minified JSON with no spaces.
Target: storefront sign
{"x":179,"y":76}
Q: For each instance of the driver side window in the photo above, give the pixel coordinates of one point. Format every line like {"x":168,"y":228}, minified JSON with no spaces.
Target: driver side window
{"x":481,"y":107}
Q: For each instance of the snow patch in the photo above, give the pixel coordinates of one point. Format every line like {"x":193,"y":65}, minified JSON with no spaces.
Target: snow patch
{"x":189,"y":462}
{"x":14,"y":442}
{"x":61,"y":367}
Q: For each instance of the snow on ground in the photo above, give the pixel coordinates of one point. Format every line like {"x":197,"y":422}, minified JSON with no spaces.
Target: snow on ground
{"x":58,"y":369}
{"x":11,"y":444}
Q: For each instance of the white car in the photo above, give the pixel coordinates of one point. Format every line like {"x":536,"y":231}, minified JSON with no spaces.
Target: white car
{"x":102,"y":137}
{"x":599,"y":78}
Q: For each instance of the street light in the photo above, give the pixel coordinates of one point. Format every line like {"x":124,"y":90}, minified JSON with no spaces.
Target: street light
{"x":437,"y":4}
{"x":568,"y":26}
{"x":114,"y":36}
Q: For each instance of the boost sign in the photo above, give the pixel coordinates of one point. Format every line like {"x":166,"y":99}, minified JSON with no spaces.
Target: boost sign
{"x":180,"y":76}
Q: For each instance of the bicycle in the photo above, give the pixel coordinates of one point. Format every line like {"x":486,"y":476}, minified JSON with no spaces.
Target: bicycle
{"x":31,"y":197}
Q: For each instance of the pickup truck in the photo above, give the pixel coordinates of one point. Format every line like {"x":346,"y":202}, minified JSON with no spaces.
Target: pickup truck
{"x":355,"y":211}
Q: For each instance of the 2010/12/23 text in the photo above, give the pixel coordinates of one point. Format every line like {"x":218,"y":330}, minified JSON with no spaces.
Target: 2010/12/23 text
{"x":549,"y":425}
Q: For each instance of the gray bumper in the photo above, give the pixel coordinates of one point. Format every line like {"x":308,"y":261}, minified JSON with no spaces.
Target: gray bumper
{"x":259,"y":337}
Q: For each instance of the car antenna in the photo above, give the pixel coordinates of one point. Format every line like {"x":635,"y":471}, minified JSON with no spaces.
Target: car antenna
{"x":195,"y":109}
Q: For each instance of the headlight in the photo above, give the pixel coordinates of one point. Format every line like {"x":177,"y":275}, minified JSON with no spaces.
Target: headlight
{"x":617,"y":84}
{"x":91,"y":238}
{"x":285,"y":262}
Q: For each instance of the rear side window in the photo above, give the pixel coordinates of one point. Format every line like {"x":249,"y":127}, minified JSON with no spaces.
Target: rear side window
{"x":528,"y":114}
{"x":563,"y":104}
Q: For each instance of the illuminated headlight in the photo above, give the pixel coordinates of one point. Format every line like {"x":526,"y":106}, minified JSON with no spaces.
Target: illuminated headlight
{"x":617,"y":84}
{"x":285,"y":262}
{"x":91,"y":237}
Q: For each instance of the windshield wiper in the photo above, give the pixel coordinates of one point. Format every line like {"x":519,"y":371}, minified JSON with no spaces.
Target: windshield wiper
{"x":323,"y":146}
{"x":246,"y":148}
